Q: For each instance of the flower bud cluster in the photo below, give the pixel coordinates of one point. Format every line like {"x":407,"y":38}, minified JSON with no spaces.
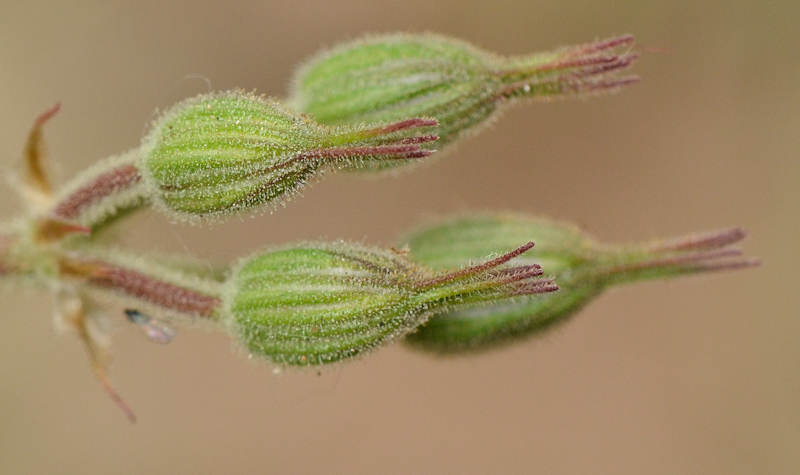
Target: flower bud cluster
{"x":380,"y":102}
{"x":582,"y":267}
{"x":388,"y":77}
{"x":313,"y":304}
{"x":232,"y":152}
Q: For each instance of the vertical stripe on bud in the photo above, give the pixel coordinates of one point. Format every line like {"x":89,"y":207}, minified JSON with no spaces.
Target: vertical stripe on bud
{"x":389,"y":77}
{"x":320,"y":303}
{"x":582,"y":267}
{"x":232,"y":151}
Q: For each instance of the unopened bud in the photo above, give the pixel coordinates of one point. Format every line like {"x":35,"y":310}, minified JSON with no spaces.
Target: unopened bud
{"x":231,"y":151}
{"x":582,"y":267}
{"x":389,"y":77}
{"x":321,"y":303}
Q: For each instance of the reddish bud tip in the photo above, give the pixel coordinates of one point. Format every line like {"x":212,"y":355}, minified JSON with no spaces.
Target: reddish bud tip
{"x":47,"y":115}
{"x":710,"y":240}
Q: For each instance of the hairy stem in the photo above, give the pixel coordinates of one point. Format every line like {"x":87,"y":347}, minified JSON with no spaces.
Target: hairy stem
{"x":141,"y":286}
{"x":104,"y":185}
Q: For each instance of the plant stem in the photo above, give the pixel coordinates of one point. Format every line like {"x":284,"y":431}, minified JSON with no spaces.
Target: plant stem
{"x":141,"y":286}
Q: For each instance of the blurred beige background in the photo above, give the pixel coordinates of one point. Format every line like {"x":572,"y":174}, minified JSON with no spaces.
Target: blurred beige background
{"x":695,"y":376}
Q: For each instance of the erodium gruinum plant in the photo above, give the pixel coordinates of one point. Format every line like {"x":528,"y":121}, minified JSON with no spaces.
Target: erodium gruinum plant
{"x":467,"y":283}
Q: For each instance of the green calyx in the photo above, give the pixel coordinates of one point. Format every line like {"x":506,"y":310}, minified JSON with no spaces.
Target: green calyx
{"x":389,"y":77}
{"x":582,"y":267}
{"x":314,"y":304}
{"x":231,"y":152}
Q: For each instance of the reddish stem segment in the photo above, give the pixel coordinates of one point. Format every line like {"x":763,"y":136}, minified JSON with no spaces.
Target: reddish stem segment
{"x":143,"y":286}
{"x":103,"y":185}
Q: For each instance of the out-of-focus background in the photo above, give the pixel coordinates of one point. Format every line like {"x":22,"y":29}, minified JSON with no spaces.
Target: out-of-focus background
{"x":700,"y":375}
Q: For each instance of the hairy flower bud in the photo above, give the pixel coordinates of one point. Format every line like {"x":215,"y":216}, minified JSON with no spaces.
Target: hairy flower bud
{"x":231,"y":151}
{"x":320,"y":303}
{"x":582,"y":267}
{"x":389,"y":77}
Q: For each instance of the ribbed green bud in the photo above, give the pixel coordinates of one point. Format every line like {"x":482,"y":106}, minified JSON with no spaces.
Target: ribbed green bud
{"x":231,"y":151}
{"x":582,"y":267}
{"x":389,"y":77}
{"x":320,"y":303}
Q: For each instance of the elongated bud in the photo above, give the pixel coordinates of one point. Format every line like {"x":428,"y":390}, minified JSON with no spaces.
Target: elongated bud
{"x":582,"y":268}
{"x":321,"y":303}
{"x":389,"y":77}
{"x":230,"y":151}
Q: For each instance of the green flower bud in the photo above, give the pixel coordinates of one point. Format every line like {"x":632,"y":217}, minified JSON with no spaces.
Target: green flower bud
{"x":582,"y":267}
{"x":231,"y":151}
{"x":389,"y":77}
{"x":320,"y":303}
